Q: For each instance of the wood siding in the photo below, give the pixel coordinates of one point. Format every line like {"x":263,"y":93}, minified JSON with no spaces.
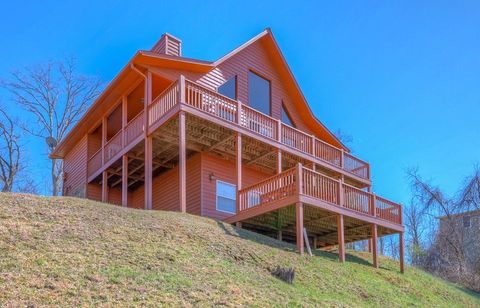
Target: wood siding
{"x":223,"y":170}
{"x":75,"y":170}
{"x":253,"y":58}
{"x":165,"y":189}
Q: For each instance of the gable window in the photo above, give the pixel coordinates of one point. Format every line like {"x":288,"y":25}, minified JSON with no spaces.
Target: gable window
{"x":229,"y":88}
{"x":258,"y":93}
{"x":286,"y":117}
{"x":226,"y":197}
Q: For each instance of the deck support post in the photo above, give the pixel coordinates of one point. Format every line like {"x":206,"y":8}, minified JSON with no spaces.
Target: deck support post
{"x":369,"y":245}
{"x":299,"y":226}
{"x":315,"y":241}
{"x":124,"y":120}
{"x":148,"y":172}
{"x":182,"y":162}
{"x":341,"y":238}
{"x":401,"y":251}
{"x":279,"y":161}
{"x":238,"y":171}
{"x":374,"y":246}
{"x":279,"y":235}
{"x":105,"y":186}
{"x":125,"y":180}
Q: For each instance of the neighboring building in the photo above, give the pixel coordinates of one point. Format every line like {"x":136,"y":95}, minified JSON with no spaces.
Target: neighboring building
{"x":463,"y":228}
{"x":232,"y":139}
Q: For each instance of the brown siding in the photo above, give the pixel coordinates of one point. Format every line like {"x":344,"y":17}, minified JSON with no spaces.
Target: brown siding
{"x":254,"y":58}
{"x":165,"y":189}
{"x":75,"y":170}
{"x":223,"y":170}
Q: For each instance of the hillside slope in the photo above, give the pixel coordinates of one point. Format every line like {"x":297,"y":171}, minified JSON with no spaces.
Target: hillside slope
{"x":79,"y":252}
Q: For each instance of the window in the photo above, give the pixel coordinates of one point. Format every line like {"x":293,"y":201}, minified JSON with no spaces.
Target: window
{"x":286,"y":117}
{"x":229,"y":88}
{"x":258,"y":93}
{"x":226,"y":197}
{"x":466,"y":221}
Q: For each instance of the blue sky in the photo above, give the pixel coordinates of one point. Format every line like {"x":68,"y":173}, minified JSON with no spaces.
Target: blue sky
{"x":402,"y":78}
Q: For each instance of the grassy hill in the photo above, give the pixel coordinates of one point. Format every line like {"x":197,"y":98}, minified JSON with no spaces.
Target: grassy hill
{"x":78,"y":252}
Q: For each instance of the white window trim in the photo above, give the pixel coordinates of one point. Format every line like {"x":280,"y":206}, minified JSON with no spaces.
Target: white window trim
{"x":216,"y":196}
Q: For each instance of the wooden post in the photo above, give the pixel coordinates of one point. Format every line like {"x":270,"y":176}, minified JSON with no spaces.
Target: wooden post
{"x":148,"y":172}
{"x":341,"y":192}
{"x":299,"y":226}
{"x":313,"y":147}
{"x":402,"y":261}
{"x":279,"y":131}
{"x":279,"y":161}
{"x":147,"y":99}
{"x":105,"y":186}
{"x":238,"y":168}
{"x":341,"y":238}
{"x":124,"y":120}
{"x":315,"y":242}
{"x":125,"y":180}
{"x":279,"y":235}
{"x":307,"y":243}
{"x":342,"y":159}
{"x":299,"y":179}
{"x":181,"y":89}
{"x":369,"y":245}
{"x":104,"y":139}
{"x":239,"y":113}
{"x":182,"y":163}
{"x":374,"y":246}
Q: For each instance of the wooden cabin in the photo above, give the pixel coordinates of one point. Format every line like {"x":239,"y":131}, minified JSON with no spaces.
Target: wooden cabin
{"x":234,"y":140}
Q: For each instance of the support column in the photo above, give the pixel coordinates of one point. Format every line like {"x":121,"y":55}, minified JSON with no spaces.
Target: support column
{"x":105,"y":186}
{"x":125,"y":180}
{"x":238,"y":169}
{"x":299,"y":226}
{"x":182,"y":163}
{"x":401,"y":251}
{"x":279,"y":161}
{"x":369,"y":245}
{"x":279,"y":235}
{"x":315,"y":242}
{"x":374,"y":246}
{"x":148,"y":172}
{"x":341,"y":238}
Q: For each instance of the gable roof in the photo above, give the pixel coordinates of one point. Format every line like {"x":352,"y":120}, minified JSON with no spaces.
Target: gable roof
{"x":291,"y":84}
{"x":149,"y":58}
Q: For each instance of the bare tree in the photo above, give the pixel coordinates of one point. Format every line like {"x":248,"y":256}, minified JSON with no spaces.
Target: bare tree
{"x":56,"y":96}
{"x":9,"y":151}
{"x":434,"y":221}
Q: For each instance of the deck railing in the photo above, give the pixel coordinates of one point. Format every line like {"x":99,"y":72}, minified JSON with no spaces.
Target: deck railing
{"x":117,"y":143}
{"x":163,"y":103}
{"x":220,"y":106}
{"x":275,"y":188}
{"x":317,"y":186}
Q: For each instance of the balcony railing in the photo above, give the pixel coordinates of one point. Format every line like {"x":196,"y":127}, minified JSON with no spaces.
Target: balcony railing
{"x":320,"y":187}
{"x":122,"y":139}
{"x":227,"y":109}
{"x":230,"y":110}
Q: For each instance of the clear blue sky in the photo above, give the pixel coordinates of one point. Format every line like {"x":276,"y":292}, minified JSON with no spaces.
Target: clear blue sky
{"x":402,"y":78}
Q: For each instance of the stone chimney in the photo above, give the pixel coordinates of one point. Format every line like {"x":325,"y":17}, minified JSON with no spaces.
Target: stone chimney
{"x":168,"y":45}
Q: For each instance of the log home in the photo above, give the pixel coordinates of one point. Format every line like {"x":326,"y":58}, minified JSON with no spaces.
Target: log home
{"x":234,"y":140}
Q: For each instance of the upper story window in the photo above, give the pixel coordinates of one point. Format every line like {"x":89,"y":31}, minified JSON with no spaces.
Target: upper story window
{"x":226,"y":197}
{"x":229,"y":88}
{"x":286,"y":117}
{"x":258,"y":93}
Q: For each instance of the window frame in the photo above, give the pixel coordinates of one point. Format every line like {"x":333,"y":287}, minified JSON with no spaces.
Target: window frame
{"x":289,"y":116}
{"x":217,"y":195}
{"x":250,"y":70}
{"x":236,"y":87}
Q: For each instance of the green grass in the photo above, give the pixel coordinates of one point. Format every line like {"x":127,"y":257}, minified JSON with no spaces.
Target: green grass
{"x":67,"y":251}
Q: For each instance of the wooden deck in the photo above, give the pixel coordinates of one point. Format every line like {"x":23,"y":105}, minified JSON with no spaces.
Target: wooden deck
{"x":185,"y":95}
{"x":300,"y":184}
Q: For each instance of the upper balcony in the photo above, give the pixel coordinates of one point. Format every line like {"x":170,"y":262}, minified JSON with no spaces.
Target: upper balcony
{"x":201,"y":101}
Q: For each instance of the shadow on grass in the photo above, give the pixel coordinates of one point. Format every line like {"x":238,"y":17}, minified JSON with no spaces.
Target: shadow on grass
{"x":274,"y":243}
